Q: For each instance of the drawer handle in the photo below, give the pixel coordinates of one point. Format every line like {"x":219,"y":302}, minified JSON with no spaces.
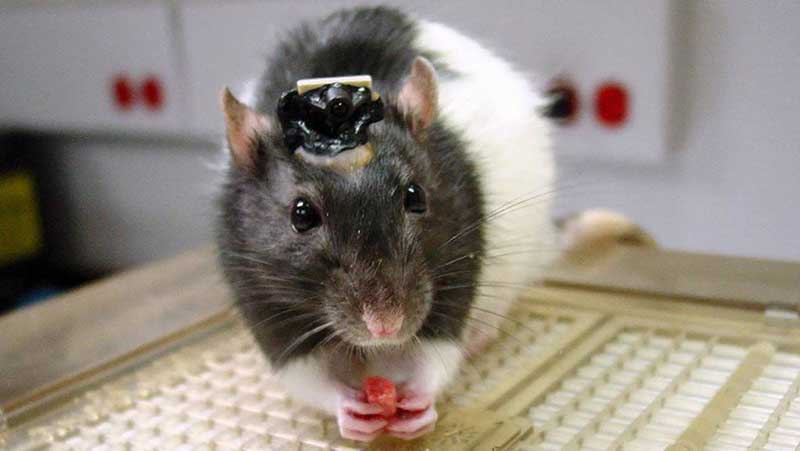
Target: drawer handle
{"x":152,"y":92}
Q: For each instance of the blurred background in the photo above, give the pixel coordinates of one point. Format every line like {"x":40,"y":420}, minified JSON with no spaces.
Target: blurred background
{"x":682,"y":115}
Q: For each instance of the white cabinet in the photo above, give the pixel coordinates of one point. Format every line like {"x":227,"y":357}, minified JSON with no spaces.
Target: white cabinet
{"x":90,"y":67}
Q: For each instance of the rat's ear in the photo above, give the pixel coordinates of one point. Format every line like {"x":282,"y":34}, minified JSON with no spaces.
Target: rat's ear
{"x":418,"y":98}
{"x":244,"y":127}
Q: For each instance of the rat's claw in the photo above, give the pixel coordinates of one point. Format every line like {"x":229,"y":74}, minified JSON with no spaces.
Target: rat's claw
{"x":415,"y":403}
{"x":359,"y":407}
{"x":413,"y":425}
{"x":354,"y":428}
{"x":417,"y":417}
{"x":358,"y":420}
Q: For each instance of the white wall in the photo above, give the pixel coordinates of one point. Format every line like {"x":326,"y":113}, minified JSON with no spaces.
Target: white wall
{"x":730,"y":187}
{"x":733,"y":187}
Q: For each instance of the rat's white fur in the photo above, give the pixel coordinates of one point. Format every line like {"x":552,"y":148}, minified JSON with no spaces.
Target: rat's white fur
{"x":308,"y":380}
{"x":495,"y":109}
{"x":429,"y":369}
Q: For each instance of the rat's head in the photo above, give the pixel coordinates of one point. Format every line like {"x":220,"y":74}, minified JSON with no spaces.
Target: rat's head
{"x":345,"y":248}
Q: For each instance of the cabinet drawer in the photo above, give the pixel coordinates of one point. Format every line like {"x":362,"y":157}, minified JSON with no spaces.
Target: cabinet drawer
{"x":89,"y":67}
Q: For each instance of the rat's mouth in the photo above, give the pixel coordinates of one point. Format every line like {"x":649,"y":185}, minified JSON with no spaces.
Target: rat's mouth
{"x":384,"y":342}
{"x":365,"y":320}
{"x":371,"y":335}
{"x":389,"y":328}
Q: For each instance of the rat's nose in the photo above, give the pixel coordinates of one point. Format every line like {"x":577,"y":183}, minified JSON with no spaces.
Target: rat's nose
{"x":382,"y":326}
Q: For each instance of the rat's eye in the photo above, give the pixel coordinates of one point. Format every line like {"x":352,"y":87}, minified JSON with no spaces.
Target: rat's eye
{"x":415,"y":199}
{"x":304,"y":216}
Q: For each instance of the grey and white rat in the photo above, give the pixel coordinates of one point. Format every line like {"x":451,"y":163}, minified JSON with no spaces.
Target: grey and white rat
{"x":395,"y":267}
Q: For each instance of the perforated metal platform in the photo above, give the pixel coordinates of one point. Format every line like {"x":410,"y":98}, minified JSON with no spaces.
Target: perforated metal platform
{"x":645,"y":387}
{"x":559,"y":378}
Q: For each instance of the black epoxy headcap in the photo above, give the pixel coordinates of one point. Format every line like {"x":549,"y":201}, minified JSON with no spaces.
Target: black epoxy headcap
{"x":328,"y":120}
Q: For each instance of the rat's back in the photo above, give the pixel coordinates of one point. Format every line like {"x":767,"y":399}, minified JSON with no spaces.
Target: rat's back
{"x":378,"y":41}
{"x":497,"y":111}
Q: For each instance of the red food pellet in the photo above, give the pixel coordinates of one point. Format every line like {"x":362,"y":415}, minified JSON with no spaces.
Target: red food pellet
{"x":382,"y":392}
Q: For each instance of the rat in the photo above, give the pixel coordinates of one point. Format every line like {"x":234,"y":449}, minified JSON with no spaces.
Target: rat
{"x":396,"y":265}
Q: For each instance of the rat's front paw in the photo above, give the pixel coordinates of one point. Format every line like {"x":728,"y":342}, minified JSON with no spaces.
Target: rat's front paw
{"x":416,"y":416}
{"x":357,"y":419}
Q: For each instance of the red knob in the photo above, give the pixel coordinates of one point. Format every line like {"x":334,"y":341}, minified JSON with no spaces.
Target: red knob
{"x":153,"y":93}
{"x":611,"y":104}
{"x":122,"y":91}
